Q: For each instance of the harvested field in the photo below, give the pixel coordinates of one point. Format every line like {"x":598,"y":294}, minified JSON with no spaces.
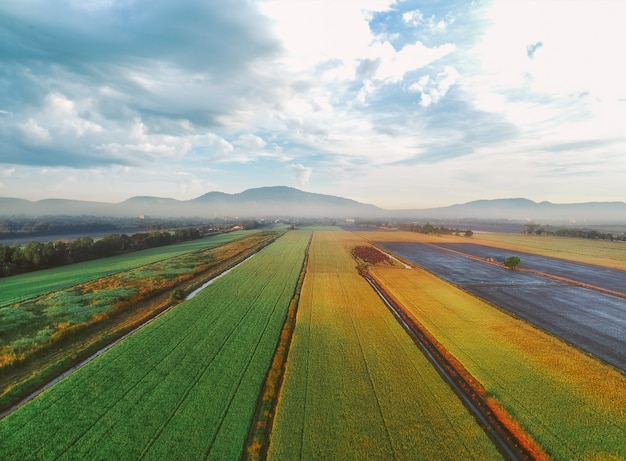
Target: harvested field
{"x":356,"y":386}
{"x":369,"y":255}
{"x":597,"y":252}
{"x":610,"y":279}
{"x":592,"y":321}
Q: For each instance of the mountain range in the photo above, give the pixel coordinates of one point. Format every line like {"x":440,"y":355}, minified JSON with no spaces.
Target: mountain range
{"x":282,"y":201}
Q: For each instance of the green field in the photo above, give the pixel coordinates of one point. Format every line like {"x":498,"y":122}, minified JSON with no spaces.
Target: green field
{"x":183,"y":387}
{"x":25,"y":286}
{"x":356,"y":386}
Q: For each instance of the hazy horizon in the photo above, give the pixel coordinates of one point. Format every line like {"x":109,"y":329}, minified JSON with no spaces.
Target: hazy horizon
{"x":407,"y":104}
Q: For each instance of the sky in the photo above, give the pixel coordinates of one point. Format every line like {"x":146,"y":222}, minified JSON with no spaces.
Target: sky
{"x":400,"y":104}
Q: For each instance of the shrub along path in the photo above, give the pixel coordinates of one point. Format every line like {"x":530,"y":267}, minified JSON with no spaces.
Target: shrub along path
{"x":183,"y":387}
{"x":42,"y":337}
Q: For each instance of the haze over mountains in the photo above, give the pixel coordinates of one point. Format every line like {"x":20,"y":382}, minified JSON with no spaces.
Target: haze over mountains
{"x":281,"y":201}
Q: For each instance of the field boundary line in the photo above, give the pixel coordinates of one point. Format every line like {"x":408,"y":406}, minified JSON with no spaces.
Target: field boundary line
{"x":228,"y":265}
{"x":531,"y":271}
{"x":507,"y":441}
{"x":257,"y":441}
{"x":192,"y":383}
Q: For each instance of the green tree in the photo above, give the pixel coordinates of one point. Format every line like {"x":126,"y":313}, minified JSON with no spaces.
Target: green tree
{"x":512,"y":262}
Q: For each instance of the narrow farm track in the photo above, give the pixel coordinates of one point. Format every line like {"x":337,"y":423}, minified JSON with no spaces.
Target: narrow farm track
{"x":104,"y":349}
{"x":184,"y":387}
{"x":506,"y":442}
{"x":355,"y":385}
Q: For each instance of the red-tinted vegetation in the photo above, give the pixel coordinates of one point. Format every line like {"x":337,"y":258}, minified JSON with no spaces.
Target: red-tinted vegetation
{"x":370,"y":255}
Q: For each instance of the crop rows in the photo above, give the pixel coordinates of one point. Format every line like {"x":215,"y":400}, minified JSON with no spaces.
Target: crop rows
{"x":356,"y":386}
{"x":38,"y":328}
{"x":183,"y":387}
{"x":570,"y":403}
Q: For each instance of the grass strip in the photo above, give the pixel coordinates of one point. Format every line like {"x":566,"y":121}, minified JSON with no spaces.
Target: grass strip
{"x":183,"y":387}
{"x":258,"y":440}
{"x":26,"y":286}
{"x":80,"y":320}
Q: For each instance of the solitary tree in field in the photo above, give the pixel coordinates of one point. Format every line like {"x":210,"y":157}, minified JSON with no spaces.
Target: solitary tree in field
{"x":512,"y":262}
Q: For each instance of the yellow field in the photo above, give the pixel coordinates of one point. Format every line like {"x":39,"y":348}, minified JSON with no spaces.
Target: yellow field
{"x":572,"y":404}
{"x":597,"y":252}
{"x":356,"y":387}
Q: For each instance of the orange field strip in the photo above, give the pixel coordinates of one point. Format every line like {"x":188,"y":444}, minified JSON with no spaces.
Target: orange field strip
{"x":356,"y":386}
{"x":574,"y":405}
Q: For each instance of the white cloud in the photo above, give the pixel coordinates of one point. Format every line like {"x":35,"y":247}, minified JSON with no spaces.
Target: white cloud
{"x":577,"y":53}
{"x":316,"y":32}
{"x":216,"y":144}
{"x":434,"y":89}
{"x":251,"y":142}
{"x":303,"y":173}
{"x":62,"y":115}
{"x":395,"y":64}
{"x":34,"y":133}
{"x":417,"y":19}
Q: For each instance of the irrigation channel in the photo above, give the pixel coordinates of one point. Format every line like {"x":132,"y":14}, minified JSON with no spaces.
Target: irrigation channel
{"x":99,"y":352}
{"x":505,"y":441}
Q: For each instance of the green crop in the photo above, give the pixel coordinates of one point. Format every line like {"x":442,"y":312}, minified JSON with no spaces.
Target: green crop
{"x":183,"y":387}
{"x":25,"y":286}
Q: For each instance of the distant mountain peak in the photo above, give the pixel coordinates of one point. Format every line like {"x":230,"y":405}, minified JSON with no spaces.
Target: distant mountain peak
{"x":285,"y":201}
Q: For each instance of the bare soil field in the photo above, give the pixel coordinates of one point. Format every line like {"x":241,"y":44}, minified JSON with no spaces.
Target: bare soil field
{"x":609,"y":279}
{"x":592,"y":321}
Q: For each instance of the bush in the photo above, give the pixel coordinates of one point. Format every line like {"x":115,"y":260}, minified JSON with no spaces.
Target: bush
{"x":178,"y":295}
{"x":512,"y":262}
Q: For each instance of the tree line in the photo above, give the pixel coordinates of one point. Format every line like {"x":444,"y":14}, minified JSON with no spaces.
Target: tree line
{"x":435,"y":230}
{"x":18,"y":259}
{"x":579,"y":233}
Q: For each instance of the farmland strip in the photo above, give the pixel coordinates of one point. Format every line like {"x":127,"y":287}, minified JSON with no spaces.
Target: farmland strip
{"x":569,"y":281}
{"x":571,"y":403}
{"x":328,"y":402}
{"x":257,"y":441}
{"x":126,"y":395}
{"x":368,"y":373}
{"x":507,"y":442}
